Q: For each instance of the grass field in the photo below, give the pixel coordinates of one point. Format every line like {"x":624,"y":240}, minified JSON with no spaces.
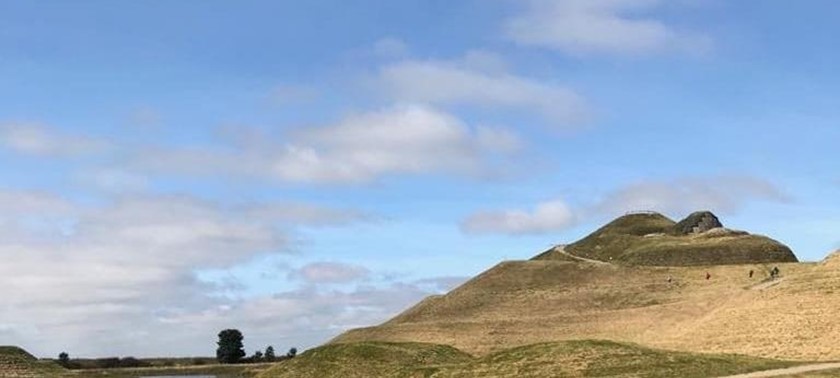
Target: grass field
{"x":17,"y":363}
{"x":579,"y":358}
{"x":219,"y":371}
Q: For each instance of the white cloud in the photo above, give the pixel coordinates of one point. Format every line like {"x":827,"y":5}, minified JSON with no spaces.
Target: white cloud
{"x":15,"y":203}
{"x":39,"y":140}
{"x":101,"y":278}
{"x":295,"y":213}
{"x":441,"y":284}
{"x":724,"y":194}
{"x":721,"y":194}
{"x":404,"y":139}
{"x":546,"y":217}
{"x":600,"y":26}
{"x":481,"y":79}
{"x":329,"y":273}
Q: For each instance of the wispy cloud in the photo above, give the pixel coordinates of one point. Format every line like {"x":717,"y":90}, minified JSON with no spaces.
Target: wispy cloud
{"x":403,"y":139}
{"x":622,"y":27}
{"x":545,"y":217}
{"x":43,"y":141}
{"x":329,"y":273}
{"x":723,"y":194}
{"x":390,"y":47}
{"x":481,"y":79}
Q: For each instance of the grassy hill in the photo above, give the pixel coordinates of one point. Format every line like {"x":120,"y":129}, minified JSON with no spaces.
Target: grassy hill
{"x":525,"y":302}
{"x":17,"y":363}
{"x":578,"y":358}
{"x":653,"y":239}
{"x":369,"y":360}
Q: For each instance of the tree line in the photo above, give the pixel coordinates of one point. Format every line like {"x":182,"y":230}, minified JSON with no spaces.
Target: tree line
{"x":230,"y":350}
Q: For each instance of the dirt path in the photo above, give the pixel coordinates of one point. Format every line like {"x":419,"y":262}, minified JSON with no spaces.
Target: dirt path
{"x":562,"y":250}
{"x":788,"y":371}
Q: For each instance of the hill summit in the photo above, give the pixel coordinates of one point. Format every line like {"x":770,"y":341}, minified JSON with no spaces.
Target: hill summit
{"x":653,"y":239}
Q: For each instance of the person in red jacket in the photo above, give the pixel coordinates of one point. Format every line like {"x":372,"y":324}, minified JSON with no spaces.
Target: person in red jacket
{"x":708,"y":275}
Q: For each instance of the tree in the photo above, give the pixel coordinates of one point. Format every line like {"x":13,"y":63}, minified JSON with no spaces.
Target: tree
{"x":64,"y":359}
{"x":258,"y":356}
{"x":230,"y":349}
{"x":292,"y":353}
{"x":269,"y":353}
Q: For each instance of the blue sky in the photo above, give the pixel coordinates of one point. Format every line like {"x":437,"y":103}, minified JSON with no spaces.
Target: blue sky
{"x":170,"y":169}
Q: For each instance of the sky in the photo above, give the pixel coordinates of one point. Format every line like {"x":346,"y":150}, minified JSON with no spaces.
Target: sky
{"x":295,"y":169}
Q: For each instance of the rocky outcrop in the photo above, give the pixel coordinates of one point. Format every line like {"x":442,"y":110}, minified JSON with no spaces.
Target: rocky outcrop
{"x":697,"y":223}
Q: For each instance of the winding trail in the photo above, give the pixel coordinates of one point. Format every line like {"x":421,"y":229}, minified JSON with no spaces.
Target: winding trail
{"x":562,"y":250}
{"x":788,"y":371}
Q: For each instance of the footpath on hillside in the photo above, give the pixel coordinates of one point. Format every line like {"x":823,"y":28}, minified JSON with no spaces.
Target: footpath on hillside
{"x":561,"y":249}
{"x":788,"y":371}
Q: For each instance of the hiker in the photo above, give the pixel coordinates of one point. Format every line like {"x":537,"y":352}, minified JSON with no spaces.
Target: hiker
{"x":708,"y":275}
{"x":751,"y":273}
{"x":775,"y":271}
{"x":669,"y":279}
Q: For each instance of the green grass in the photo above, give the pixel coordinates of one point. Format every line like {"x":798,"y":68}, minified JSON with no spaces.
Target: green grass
{"x":369,"y":360}
{"x":594,"y":358}
{"x":650,"y":239}
{"x":581,"y":358}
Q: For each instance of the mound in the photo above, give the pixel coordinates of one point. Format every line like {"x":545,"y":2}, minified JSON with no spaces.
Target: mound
{"x":526,"y":302}
{"x":653,"y":239}
{"x":595,"y":358}
{"x":18,"y":363}
{"x":833,"y":260}
{"x":368,"y":360}
{"x":587,"y":358}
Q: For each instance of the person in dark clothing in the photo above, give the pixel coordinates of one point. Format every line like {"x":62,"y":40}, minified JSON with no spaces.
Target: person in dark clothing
{"x":751,"y":273}
{"x":708,"y":275}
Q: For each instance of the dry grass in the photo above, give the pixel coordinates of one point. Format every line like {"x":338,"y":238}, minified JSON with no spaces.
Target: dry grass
{"x":527,"y":302}
{"x":579,"y":358}
{"x":369,"y":360}
{"x":17,"y":363}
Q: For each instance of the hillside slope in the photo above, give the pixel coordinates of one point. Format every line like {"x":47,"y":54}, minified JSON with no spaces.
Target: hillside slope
{"x":653,"y":239}
{"x":795,"y":317}
{"x":18,"y":363}
{"x":526,"y":302}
